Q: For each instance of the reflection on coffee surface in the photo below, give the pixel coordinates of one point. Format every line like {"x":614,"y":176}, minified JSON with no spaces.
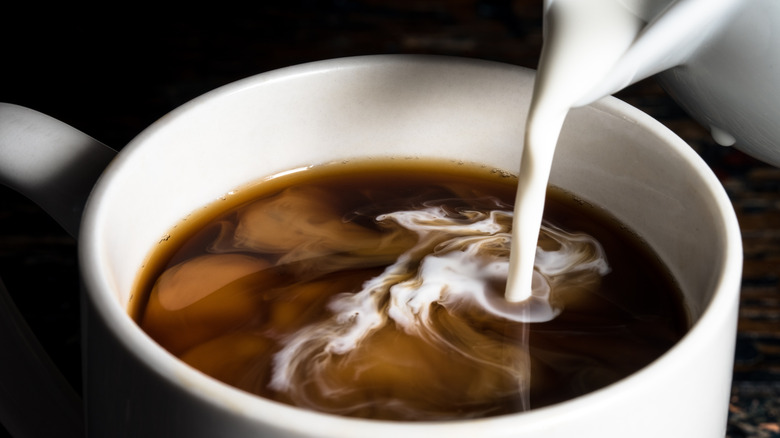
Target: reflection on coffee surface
{"x":375,"y":290}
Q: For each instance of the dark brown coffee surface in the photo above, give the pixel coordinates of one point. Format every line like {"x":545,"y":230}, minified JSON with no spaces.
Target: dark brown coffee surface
{"x":236,"y":283}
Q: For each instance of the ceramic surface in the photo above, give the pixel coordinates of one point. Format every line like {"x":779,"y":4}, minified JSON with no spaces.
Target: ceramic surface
{"x":405,"y":107}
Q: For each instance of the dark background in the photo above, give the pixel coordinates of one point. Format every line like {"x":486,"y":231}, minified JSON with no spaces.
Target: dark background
{"x":111,"y":72}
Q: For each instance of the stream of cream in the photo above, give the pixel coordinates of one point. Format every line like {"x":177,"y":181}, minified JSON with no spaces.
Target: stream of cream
{"x":583,"y":40}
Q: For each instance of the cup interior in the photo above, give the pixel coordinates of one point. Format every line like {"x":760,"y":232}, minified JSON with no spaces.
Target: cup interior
{"x":402,"y":107}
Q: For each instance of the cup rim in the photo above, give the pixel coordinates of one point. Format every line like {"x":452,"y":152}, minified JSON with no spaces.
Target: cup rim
{"x":223,"y":396}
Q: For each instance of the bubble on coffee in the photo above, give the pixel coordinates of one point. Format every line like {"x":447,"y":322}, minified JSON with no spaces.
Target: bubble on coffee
{"x":385,"y":300}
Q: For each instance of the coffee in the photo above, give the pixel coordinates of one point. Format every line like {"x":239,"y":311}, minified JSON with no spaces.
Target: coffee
{"x":375,"y":289}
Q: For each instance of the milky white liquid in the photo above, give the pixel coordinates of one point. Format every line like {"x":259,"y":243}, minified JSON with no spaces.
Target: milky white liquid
{"x":583,"y":40}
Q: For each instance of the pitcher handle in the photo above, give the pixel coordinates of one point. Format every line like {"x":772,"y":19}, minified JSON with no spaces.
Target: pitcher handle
{"x":55,"y":166}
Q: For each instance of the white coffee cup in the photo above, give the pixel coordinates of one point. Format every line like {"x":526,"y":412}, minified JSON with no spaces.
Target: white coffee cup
{"x":610,"y":155}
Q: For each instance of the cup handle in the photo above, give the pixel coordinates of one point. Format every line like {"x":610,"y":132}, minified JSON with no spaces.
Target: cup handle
{"x":55,"y":166}
{"x":49,"y":162}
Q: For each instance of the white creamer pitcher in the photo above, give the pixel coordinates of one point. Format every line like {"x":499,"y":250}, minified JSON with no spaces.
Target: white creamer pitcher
{"x":719,"y":59}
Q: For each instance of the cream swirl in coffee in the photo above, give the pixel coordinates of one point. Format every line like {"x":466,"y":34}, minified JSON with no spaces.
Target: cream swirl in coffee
{"x":376,"y":290}
{"x":458,"y":263}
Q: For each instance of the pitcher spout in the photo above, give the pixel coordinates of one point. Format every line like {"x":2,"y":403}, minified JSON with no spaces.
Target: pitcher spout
{"x":674,"y":31}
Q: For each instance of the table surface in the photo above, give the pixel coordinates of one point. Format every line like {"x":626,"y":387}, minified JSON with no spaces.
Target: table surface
{"x":112,"y":76}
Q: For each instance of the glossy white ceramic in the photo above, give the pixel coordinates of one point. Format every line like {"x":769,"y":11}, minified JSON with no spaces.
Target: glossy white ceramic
{"x":405,"y":107}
